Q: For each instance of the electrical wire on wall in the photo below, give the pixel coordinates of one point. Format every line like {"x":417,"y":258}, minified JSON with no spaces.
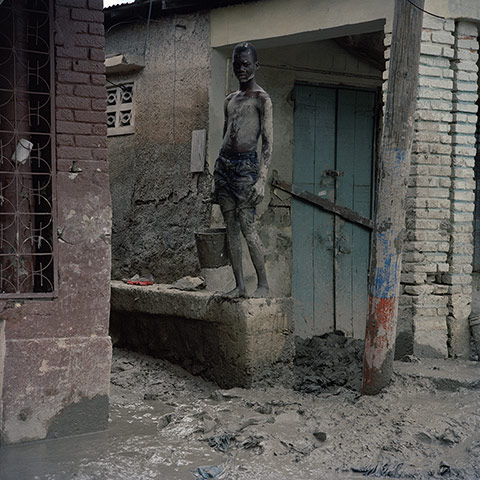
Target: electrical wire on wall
{"x":148,"y":27}
{"x":425,"y":11}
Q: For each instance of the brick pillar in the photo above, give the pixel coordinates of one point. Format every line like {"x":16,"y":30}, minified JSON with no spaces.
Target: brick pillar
{"x":58,"y":352}
{"x":462,"y":193}
{"x":424,"y":300}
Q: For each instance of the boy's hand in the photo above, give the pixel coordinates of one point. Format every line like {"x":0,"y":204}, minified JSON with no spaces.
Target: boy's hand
{"x":213,"y":198}
{"x":257,"y":193}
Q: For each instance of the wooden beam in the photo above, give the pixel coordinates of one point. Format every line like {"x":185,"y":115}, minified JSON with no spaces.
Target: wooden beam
{"x":391,"y":192}
{"x":344,"y":212}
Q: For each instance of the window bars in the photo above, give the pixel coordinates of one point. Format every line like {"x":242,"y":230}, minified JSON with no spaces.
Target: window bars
{"x":27,"y":150}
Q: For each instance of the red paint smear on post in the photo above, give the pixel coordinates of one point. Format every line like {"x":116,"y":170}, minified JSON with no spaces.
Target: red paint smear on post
{"x":378,"y":336}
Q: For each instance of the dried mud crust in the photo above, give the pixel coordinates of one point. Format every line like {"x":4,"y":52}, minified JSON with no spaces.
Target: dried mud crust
{"x":409,"y":431}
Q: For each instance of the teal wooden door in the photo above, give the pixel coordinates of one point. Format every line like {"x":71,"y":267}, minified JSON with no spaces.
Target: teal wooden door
{"x":333,"y":158}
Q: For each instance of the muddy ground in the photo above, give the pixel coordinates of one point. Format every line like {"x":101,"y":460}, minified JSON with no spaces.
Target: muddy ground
{"x":167,"y":424}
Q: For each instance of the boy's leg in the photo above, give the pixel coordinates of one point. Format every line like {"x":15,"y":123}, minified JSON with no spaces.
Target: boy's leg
{"x":235,"y":253}
{"x":228,"y":206}
{"x":247,"y":225}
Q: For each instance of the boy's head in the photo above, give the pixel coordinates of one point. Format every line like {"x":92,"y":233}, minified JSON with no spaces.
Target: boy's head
{"x":244,"y":61}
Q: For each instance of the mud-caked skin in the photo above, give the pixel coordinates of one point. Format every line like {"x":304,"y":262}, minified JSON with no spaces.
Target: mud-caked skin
{"x":239,"y":177}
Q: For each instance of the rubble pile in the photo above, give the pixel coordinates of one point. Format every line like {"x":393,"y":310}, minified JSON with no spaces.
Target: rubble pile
{"x":325,"y":363}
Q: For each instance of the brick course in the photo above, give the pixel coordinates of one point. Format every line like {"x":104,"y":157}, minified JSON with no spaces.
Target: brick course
{"x":80,"y":89}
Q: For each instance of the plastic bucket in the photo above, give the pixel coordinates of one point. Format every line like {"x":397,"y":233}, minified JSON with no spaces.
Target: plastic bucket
{"x":212,"y":247}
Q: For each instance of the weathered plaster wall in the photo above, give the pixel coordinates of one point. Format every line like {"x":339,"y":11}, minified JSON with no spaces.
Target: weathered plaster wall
{"x":157,"y":202}
{"x":57,"y":352}
{"x":284,"y":22}
{"x":466,"y":9}
{"x":321,"y":63}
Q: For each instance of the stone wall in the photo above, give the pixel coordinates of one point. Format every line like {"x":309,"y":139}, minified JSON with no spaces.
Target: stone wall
{"x":157,"y":202}
{"x":58,"y":352}
{"x":437,"y":263}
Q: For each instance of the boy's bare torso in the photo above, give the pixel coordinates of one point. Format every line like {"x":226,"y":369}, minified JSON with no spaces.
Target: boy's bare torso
{"x":243,"y":120}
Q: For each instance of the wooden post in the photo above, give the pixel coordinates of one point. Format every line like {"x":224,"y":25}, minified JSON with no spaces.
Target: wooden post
{"x":391,"y":192}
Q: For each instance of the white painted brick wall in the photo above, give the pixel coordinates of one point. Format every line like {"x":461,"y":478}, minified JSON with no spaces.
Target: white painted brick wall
{"x":428,"y":203}
{"x":462,"y":195}
{"x":437,"y":261}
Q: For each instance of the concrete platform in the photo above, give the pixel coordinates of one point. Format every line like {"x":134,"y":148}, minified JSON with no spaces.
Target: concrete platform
{"x":236,"y":343}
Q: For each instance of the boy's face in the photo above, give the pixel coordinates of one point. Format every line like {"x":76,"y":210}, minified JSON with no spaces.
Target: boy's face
{"x":244,"y":66}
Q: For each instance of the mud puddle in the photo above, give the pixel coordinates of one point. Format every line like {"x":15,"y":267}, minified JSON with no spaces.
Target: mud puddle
{"x":165,"y":424}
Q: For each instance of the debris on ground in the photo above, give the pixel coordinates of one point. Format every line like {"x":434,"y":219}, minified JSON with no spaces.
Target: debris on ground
{"x":189,"y":284}
{"x":323,"y":429}
{"x":324,"y":363}
{"x":168,"y":424}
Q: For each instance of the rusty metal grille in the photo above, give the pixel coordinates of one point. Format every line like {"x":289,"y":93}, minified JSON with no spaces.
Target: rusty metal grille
{"x":27,"y":149}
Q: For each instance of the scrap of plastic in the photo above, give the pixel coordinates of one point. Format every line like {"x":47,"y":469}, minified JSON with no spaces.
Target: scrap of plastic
{"x":138,"y":280}
{"x":221,"y":443}
{"x":204,"y":473}
{"x":394,"y":470}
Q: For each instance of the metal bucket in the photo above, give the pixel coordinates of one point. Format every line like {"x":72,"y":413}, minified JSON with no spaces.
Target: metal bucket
{"x":212,"y":247}
{"x":474,"y":322}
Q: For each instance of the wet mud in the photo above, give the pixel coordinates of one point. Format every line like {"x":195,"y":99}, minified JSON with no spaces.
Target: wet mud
{"x":168,"y":424}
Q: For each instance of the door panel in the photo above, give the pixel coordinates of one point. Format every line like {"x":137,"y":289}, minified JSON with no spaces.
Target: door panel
{"x":323,"y":241}
{"x":355,"y":127}
{"x":334,"y":130}
{"x":302,"y":221}
{"x":313,"y":241}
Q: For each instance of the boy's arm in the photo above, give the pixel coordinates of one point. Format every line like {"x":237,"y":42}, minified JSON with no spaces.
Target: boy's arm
{"x":225,"y":114}
{"x":266,"y":131}
{"x":213,"y":194}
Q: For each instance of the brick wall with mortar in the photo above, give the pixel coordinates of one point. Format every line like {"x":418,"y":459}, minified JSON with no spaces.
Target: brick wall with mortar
{"x":437,"y":262}
{"x":462,"y":193}
{"x":57,"y":353}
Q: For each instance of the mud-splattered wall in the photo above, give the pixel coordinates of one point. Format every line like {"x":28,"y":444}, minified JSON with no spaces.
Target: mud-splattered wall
{"x":58,"y":352}
{"x":157,"y":202}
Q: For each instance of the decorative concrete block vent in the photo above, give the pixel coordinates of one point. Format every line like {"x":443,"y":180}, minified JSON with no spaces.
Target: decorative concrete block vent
{"x":236,"y":343}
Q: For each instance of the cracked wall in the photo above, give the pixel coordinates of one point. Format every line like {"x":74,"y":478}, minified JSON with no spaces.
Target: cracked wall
{"x":157,"y":202}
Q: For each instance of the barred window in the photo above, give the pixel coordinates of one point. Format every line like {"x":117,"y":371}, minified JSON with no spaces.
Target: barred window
{"x":120,"y":110}
{"x":27,"y":150}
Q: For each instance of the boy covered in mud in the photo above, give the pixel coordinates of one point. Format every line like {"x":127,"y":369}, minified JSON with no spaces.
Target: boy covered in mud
{"x":239,"y":175}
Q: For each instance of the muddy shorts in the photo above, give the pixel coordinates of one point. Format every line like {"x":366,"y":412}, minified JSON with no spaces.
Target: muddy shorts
{"x":235,"y":175}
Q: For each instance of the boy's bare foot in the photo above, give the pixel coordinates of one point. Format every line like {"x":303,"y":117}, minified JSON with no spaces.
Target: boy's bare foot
{"x":237,"y":292}
{"x":261,"y":292}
